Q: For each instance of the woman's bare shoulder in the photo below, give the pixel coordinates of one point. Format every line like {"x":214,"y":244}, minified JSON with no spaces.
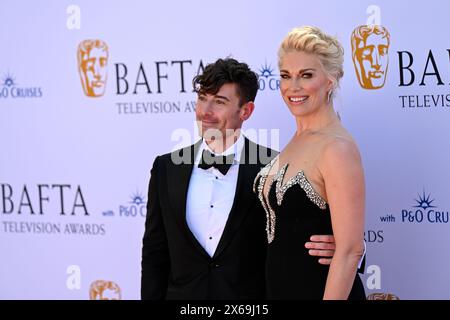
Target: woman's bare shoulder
{"x":339,"y":145}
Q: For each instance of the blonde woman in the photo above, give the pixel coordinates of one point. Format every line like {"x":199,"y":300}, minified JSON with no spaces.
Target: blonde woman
{"x":316,"y":184}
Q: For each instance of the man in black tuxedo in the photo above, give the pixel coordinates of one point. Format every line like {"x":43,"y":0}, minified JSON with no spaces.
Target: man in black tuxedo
{"x":205,"y":234}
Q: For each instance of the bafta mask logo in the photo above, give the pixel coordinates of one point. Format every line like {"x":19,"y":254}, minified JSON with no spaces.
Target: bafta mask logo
{"x":382,"y":296}
{"x":92,"y":63}
{"x":104,"y":290}
{"x":370,"y":46}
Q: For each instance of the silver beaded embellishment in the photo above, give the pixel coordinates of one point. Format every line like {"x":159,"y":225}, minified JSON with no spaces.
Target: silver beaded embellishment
{"x":299,"y":178}
{"x":280,"y":190}
{"x":270,"y":213}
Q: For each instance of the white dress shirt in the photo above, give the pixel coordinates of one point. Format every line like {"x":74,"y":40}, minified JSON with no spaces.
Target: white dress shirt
{"x":210,"y":197}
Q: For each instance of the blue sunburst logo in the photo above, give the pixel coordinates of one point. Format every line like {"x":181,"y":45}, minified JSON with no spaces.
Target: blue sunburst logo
{"x":266,"y":71}
{"x":424,"y":201}
{"x":137,"y":198}
{"x":9,"y":80}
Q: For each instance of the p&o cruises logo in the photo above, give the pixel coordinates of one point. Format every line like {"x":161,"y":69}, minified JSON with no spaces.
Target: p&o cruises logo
{"x":135,"y":208}
{"x":9,"y":88}
{"x":425,"y":210}
{"x":267,"y":79}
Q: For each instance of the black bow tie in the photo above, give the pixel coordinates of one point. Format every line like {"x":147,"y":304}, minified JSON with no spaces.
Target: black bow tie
{"x":221,"y":163}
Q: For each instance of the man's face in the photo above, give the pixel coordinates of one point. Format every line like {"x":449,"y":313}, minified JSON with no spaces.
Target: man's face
{"x":372,"y":61}
{"x":94,"y":70}
{"x":219,"y":115}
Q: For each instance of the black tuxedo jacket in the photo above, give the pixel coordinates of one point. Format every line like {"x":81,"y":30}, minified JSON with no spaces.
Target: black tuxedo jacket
{"x":174,"y":264}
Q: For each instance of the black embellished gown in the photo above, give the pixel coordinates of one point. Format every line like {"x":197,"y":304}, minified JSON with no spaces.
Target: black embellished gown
{"x":295,"y":212}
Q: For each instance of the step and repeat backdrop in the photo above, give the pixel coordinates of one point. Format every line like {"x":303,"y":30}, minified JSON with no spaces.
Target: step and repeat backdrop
{"x":92,"y":91}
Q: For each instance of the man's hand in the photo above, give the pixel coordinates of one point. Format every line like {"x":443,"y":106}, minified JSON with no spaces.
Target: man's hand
{"x":322,"y":246}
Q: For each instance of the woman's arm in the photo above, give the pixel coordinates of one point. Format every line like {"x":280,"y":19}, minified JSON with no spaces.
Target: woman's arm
{"x":343,"y":175}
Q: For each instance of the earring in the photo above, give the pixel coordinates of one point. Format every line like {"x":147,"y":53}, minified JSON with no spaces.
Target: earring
{"x":330,"y":93}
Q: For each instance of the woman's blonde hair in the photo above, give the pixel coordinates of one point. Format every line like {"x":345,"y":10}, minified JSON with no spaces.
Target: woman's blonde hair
{"x":314,"y":41}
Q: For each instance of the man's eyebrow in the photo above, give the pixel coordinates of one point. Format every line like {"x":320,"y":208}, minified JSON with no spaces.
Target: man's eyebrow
{"x":221,"y":97}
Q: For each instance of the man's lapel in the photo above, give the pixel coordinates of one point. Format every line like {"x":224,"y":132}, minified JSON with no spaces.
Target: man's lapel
{"x":178,"y":176}
{"x":243,"y":198}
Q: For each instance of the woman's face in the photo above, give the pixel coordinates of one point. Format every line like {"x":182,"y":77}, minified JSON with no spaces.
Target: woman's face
{"x":304,"y":85}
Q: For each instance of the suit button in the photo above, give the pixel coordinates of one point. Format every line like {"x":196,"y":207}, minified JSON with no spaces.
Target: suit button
{"x":213,"y":265}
